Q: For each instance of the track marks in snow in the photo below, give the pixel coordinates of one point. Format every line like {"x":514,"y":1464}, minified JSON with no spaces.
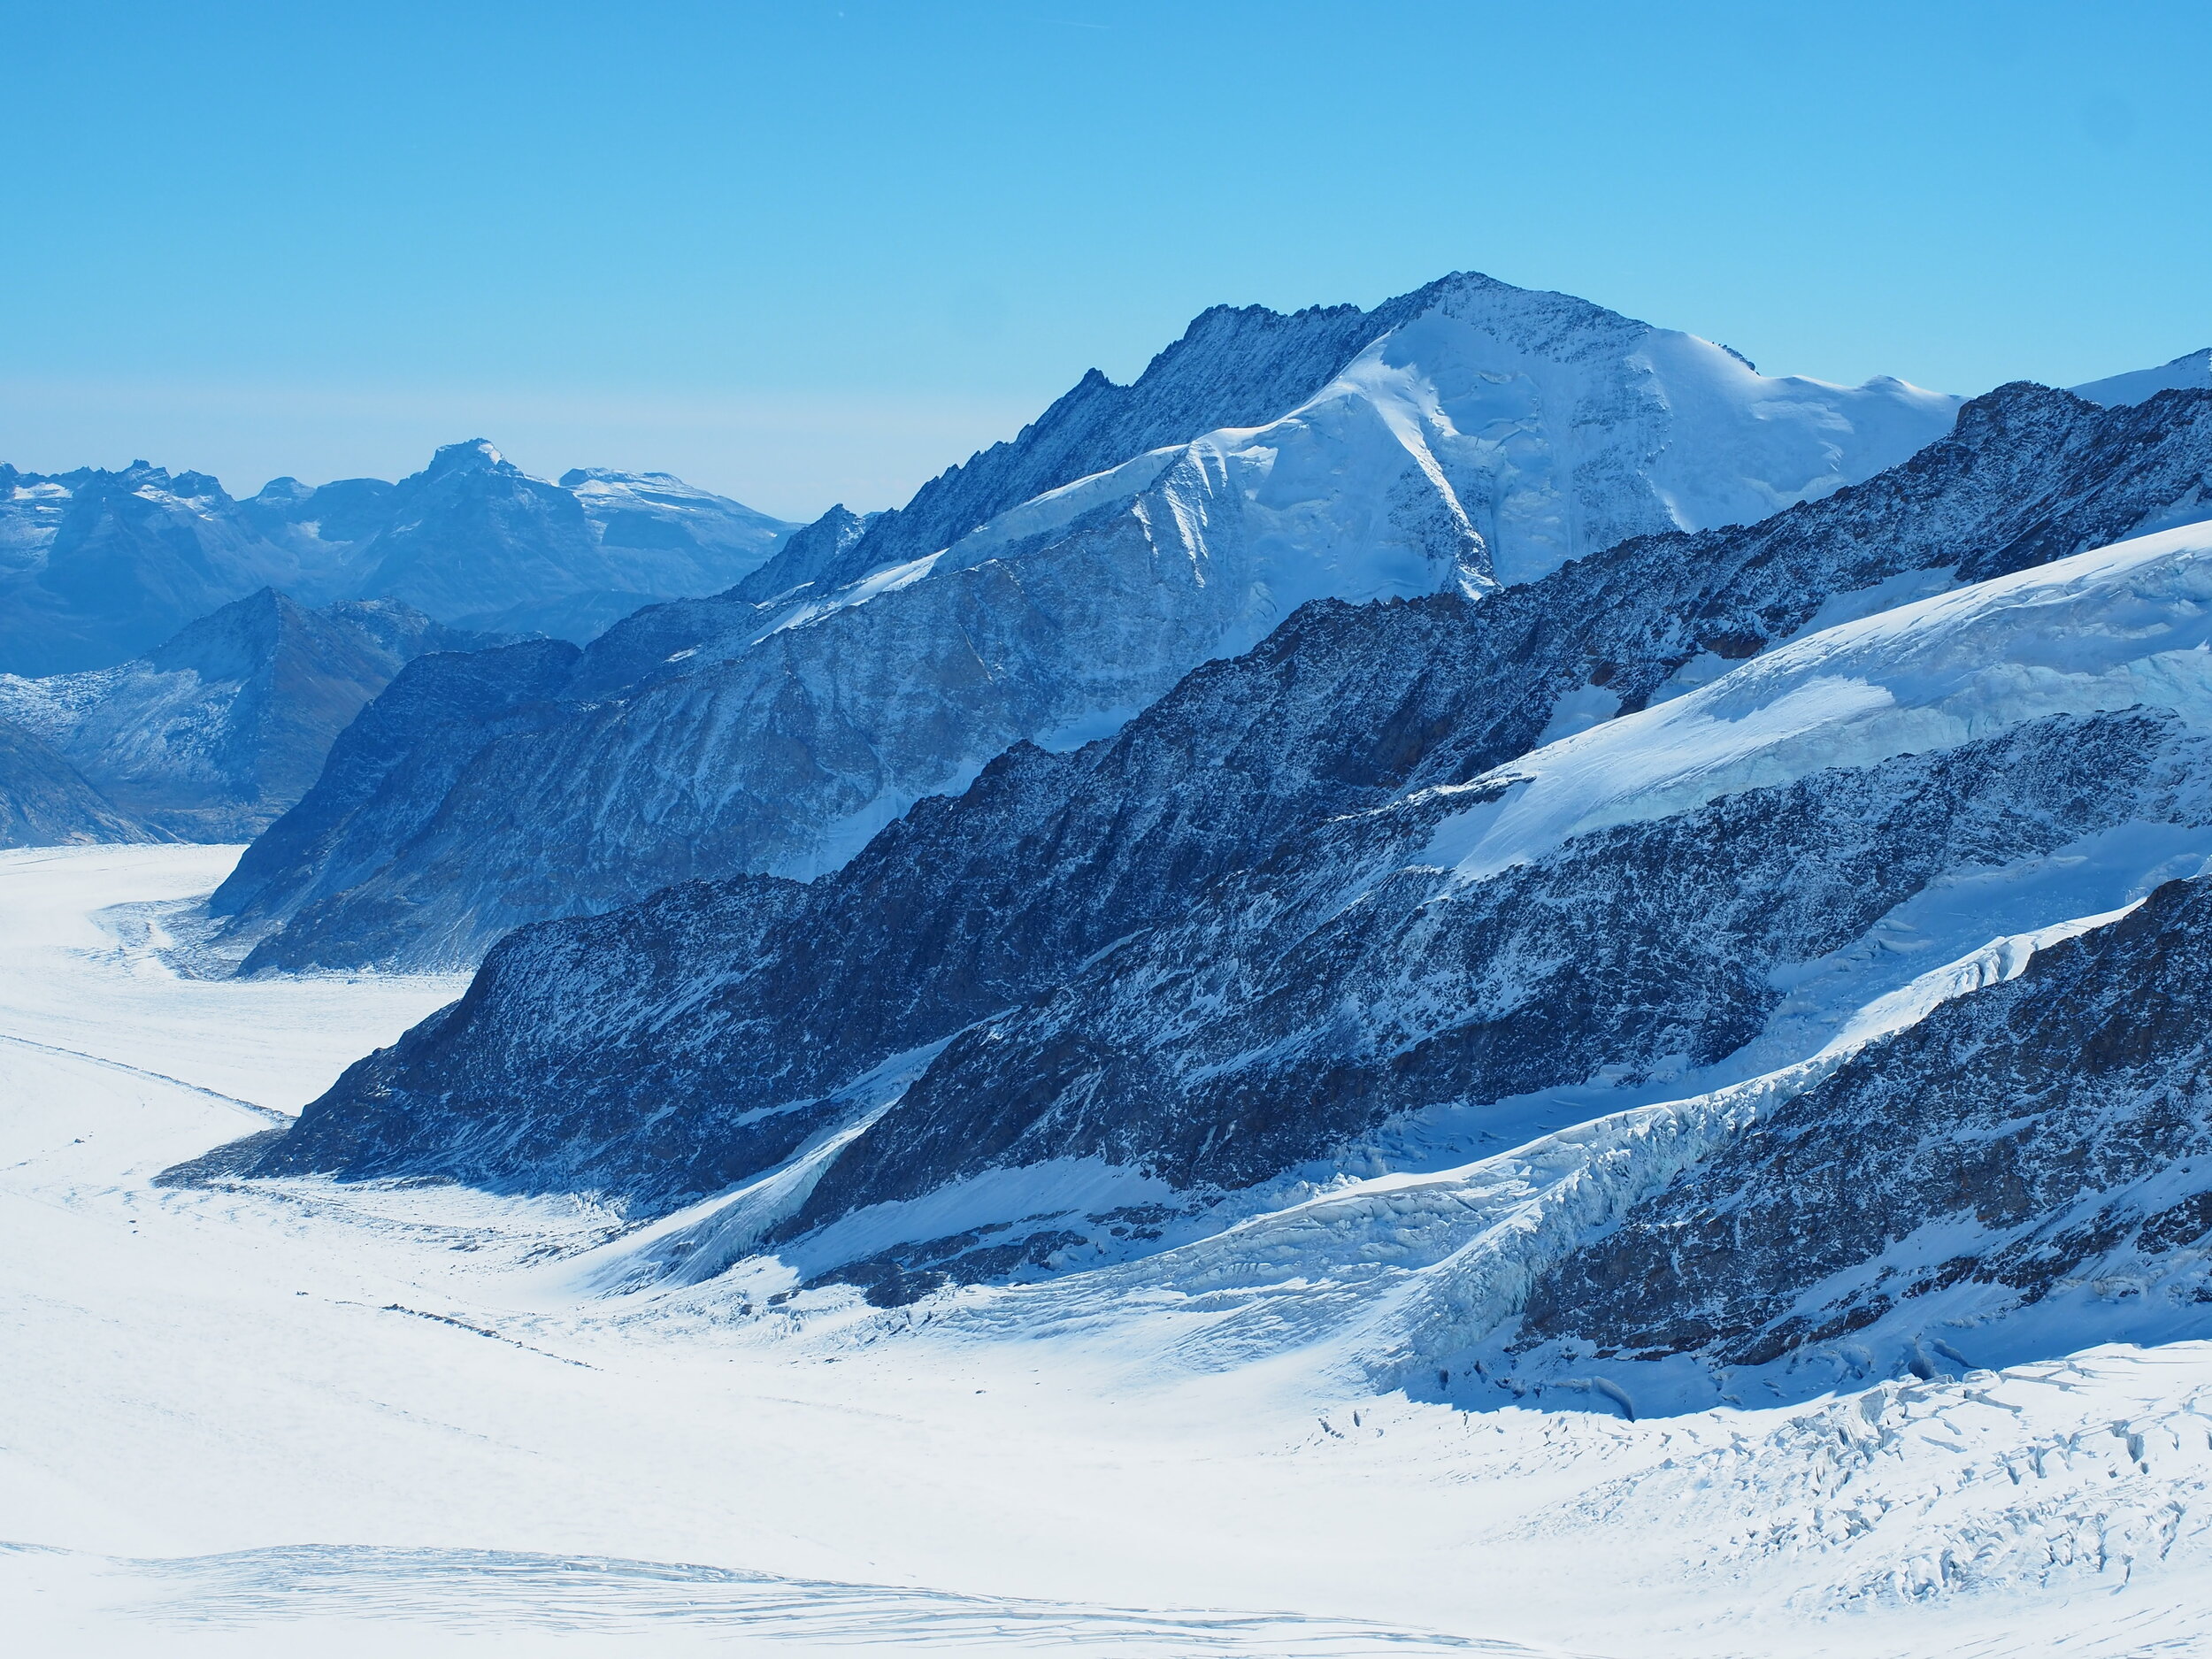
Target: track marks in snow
{"x":501,"y":1595}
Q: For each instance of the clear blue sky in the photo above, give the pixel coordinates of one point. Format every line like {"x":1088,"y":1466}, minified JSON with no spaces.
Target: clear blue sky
{"x":810,"y":251}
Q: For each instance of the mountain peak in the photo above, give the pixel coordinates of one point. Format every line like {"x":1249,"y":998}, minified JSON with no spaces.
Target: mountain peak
{"x":476,"y":454}
{"x":2190,"y":372}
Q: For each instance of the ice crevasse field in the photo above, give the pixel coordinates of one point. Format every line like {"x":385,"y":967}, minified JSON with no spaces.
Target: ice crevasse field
{"x":242,"y":1417}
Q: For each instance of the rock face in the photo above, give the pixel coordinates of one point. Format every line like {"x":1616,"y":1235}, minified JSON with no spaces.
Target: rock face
{"x":98,"y":567}
{"x":2046,"y":1142}
{"x":406,"y":750}
{"x":1464,"y":437}
{"x":1322,"y":889}
{"x":45,"y":801}
{"x":216,"y":731}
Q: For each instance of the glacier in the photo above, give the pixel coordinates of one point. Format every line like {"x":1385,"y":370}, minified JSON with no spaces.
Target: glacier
{"x":252,"y":1414}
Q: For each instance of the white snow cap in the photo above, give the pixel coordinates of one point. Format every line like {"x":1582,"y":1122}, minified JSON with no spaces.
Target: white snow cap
{"x":2123,"y":626}
{"x":2193,"y":373}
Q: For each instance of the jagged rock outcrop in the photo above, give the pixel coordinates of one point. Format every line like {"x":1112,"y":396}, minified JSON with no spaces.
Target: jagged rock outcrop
{"x":216,"y":731}
{"x":1468,"y":436}
{"x":2044,"y":1141}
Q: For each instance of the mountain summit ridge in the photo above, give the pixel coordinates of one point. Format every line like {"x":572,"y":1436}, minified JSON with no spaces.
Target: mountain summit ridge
{"x":1468,"y":436}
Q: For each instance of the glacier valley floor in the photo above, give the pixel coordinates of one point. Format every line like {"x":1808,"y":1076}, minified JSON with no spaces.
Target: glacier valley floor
{"x":241,"y":1416}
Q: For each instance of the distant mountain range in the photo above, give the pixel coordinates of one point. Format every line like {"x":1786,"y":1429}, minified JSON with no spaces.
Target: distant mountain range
{"x":98,"y":567}
{"x":1467,"y":436}
{"x":213,"y":734}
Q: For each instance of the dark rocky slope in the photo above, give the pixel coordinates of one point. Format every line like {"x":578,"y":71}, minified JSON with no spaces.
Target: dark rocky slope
{"x":1144,"y":909}
{"x":2046,"y":1139}
{"x":404,"y":748}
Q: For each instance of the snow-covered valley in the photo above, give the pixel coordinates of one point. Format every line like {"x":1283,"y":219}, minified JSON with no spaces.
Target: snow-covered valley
{"x":240,"y":1415}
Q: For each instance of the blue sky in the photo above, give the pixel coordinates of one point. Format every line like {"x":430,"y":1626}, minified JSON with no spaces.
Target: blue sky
{"x":803,"y":252}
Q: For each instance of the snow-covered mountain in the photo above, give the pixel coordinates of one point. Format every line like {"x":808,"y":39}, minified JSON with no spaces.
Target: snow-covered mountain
{"x":474,"y":540}
{"x":1320,"y":914}
{"x":1693,"y":1056}
{"x":2190,"y":373}
{"x":97,"y":567}
{"x":1466,"y":437}
{"x":216,"y":731}
{"x":45,"y":801}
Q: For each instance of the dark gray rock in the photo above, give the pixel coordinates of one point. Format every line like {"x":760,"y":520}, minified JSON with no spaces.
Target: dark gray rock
{"x":1301,"y":1004}
{"x":2035,"y":1136}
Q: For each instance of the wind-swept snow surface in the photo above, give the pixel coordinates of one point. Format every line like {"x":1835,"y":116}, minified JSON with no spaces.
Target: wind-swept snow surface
{"x":263,"y":1416}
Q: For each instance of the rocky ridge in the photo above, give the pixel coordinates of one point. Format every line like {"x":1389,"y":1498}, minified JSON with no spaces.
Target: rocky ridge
{"x":45,"y":801}
{"x":1467,"y":436}
{"x":1126,"y":920}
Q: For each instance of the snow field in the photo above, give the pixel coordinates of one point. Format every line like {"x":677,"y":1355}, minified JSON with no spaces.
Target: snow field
{"x":244,"y":1416}
{"x":2113,"y":628}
